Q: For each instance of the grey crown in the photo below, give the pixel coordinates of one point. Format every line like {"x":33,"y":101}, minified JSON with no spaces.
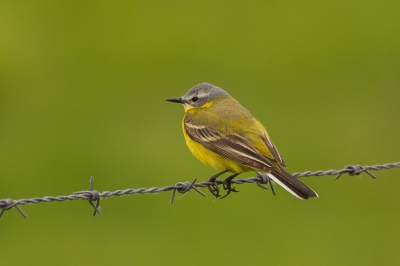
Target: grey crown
{"x":204,"y":93}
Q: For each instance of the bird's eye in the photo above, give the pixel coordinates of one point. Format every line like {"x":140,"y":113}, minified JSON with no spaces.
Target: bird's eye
{"x":194,"y":99}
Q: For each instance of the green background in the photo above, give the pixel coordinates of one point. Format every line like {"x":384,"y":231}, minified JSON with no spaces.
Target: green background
{"x":82,"y":93}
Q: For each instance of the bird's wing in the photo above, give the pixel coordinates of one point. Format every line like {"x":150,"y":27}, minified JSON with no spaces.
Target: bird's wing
{"x":233,"y":147}
{"x":272,"y":148}
{"x":240,"y":150}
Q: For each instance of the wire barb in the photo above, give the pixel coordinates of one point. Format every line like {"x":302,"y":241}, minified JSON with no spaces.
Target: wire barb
{"x":93,"y":196}
{"x":264,"y":179}
{"x":355,"y":170}
{"x":183,"y":187}
{"x":8,"y":204}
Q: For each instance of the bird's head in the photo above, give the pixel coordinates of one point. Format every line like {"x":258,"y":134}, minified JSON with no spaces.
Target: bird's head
{"x":200,"y":96}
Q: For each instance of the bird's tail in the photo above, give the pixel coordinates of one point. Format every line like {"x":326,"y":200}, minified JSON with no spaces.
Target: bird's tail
{"x":291,"y":184}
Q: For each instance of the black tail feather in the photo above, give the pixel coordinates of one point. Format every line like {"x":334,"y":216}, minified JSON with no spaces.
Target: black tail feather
{"x":292,"y":184}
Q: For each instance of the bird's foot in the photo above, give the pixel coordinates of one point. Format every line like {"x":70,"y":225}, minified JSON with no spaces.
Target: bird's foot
{"x":214,"y":188}
{"x":228,"y":186}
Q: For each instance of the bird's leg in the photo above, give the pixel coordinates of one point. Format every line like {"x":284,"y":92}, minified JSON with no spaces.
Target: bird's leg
{"x":214,"y":188}
{"x":228,"y":185}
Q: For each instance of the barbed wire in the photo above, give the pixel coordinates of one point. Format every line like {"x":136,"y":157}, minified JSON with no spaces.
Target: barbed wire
{"x":93,"y":196}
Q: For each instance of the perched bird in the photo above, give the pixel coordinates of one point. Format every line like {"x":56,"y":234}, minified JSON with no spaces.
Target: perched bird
{"x":223,"y":134}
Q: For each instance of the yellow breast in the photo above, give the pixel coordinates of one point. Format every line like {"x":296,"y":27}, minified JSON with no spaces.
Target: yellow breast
{"x":211,"y":158}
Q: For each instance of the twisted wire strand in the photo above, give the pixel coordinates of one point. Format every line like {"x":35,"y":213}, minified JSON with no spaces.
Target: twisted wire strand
{"x":181,"y":187}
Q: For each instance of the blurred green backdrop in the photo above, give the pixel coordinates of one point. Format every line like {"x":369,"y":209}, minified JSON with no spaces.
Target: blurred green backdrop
{"x":82,"y":90}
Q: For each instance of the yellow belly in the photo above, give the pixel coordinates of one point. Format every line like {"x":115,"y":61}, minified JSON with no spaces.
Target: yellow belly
{"x":211,"y":158}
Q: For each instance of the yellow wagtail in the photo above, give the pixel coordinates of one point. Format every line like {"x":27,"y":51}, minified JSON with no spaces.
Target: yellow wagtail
{"x":223,"y":134}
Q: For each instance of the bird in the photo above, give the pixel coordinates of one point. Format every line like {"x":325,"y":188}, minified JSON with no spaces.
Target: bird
{"x":223,"y":134}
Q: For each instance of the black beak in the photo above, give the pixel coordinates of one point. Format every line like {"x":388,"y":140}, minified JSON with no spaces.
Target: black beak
{"x":175,"y":100}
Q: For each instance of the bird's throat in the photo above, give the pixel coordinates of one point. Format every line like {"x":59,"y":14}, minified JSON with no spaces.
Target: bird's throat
{"x":188,"y":106}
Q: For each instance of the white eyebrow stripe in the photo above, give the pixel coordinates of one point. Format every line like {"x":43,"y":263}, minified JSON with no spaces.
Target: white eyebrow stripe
{"x":202,"y":94}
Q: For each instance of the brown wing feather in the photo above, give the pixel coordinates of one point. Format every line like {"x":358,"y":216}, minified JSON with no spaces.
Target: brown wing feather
{"x":233,"y":147}
{"x":272,"y":148}
{"x":240,"y":150}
